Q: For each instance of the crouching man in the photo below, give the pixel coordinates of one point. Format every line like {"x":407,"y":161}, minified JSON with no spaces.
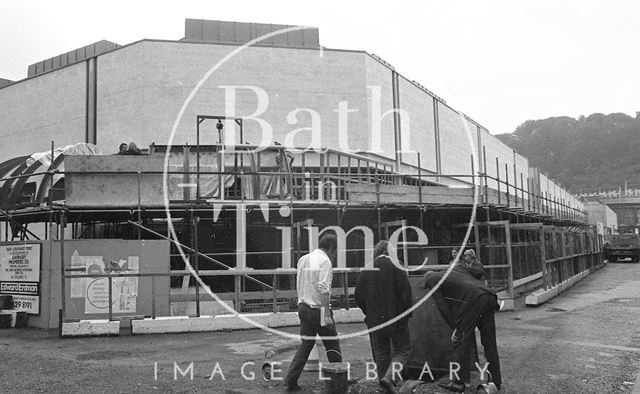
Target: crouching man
{"x":466,"y":303}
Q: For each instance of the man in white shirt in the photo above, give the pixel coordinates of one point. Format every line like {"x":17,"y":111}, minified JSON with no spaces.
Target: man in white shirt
{"x":315,"y":274}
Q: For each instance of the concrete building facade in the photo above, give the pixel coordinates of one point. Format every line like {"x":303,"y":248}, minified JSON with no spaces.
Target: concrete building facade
{"x":602,"y":216}
{"x":135,"y":92}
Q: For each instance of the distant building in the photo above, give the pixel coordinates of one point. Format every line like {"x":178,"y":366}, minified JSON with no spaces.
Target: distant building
{"x":602,"y":216}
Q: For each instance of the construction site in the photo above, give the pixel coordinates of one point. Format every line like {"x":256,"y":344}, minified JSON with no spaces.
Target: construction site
{"x":105,"y":236}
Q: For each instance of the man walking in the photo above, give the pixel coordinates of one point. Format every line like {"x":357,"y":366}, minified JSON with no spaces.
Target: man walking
{"x":466,"y":302}
{"x":384,"y":293}
{"x":314,"y":277}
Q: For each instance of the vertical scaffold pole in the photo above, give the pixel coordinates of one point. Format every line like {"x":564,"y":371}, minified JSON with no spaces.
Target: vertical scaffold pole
{"x":484,"y":173}
{"x":506,"y":179}
{"x":420,"y":192}
{"x":139,"y":205}
{"x":110,"y":296}
{"x":198,"y":161}
{"x":63,"y":288}
{"x":543,"y":258}
{"x":522,"y":188}
{"x":498,"y":178}
{"x":196,"y":267}
{"x":509,"y":257}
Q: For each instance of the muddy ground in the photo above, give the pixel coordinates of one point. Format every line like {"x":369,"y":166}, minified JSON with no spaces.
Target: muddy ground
{"x":585,"y":341}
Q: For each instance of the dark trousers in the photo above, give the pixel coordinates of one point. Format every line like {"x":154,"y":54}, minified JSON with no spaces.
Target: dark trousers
{"x":390,"y":347}
{"x":482,"y":315}
{"x":310,"y":326}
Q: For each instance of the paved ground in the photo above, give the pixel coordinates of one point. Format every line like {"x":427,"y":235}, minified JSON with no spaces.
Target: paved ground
{"x":585,"y":341}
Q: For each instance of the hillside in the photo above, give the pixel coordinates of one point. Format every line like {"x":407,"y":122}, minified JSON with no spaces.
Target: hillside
{"x":588,"y":152}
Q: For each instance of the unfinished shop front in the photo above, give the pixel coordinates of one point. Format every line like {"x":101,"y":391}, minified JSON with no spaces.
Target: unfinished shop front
{"x":125,"y":226}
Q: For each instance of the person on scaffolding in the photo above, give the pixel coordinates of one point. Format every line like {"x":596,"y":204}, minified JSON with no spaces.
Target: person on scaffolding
{"x":465,"y":303}
{"x":473,"y":264}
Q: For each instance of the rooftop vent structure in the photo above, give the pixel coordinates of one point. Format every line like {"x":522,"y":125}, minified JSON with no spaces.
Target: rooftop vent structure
{"x":71,"y":57}
{"x":239,"y":33}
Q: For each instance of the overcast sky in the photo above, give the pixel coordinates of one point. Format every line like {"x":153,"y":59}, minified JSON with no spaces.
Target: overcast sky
{"x":500,"y":62}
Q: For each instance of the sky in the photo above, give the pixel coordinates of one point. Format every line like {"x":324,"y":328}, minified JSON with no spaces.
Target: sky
{"x":501,"y":62}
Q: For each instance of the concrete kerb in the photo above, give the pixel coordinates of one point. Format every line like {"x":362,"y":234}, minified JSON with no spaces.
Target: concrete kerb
{"x":178,"y":324}
{"x":85,"y":328}
{"x":541,"y":296}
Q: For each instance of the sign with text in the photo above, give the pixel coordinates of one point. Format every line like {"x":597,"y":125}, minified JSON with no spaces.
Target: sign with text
{"x":20,"y":275}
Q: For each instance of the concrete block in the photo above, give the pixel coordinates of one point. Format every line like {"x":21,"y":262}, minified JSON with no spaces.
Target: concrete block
{"x":286,"y":319}
{"x":175,"y":324}
{"x":541,"y":296}
{"x":348,"y":316}
{"x":207,"y":308}
{"x":90,"y":328}
{"x":233,"y":322}
{"x":509,"y":304}
{"x":170,"y":324}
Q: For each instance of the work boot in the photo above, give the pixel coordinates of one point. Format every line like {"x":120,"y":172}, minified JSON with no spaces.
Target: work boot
{"x":456,"y":386}
{"x":488,"y":388}
{"x":388,"y":385}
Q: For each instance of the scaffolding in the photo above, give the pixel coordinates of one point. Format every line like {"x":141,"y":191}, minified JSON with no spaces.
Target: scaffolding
{"x":259,"y":211}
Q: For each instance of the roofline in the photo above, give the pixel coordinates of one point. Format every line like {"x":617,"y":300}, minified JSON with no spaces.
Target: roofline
{"x":182,"y":41}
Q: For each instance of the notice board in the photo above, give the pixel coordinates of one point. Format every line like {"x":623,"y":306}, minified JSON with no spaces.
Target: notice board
{"x":20,"y":275}
{"x":88,"y":298}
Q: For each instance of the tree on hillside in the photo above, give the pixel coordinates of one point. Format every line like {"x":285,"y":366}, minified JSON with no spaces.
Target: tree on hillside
{"x":585,"y":153}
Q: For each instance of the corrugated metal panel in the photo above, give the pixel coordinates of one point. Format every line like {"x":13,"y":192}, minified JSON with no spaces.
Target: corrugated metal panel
{"x":71,"y":57}
{"x":225,"y":32}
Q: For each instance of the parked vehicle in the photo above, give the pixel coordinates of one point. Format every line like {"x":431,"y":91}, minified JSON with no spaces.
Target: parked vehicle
{"x":622,"y":246}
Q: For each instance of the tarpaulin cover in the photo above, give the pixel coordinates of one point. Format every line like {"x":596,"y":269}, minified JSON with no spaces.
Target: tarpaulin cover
{"x":79,"y":149}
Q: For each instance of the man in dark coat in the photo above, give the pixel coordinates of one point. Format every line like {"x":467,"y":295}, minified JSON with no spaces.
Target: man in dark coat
{"x":384,"y":293}
{"x":466,"y":303}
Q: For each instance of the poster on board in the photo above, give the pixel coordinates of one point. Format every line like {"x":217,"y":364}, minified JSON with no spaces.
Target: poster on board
{"x":95,"y":291}
{"x":20,"y":275}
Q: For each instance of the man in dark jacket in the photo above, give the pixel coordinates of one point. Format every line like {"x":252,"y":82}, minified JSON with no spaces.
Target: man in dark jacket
{"x":466,"y":302}
{"x":384,"y":293}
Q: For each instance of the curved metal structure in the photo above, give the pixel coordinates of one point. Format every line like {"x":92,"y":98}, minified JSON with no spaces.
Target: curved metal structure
{"x":16,"y":174}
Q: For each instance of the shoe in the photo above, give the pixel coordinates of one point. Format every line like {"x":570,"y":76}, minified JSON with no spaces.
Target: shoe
{"x":488,"y":388}
{"x":388,"y":385}
{"x":457,"y":387}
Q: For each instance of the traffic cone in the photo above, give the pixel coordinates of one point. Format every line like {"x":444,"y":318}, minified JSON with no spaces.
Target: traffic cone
{"x":313,"y":362}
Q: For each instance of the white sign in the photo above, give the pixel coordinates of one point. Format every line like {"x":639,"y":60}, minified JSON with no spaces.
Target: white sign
{"x":26,"y":303}
{"x":20,"y":263}
{"x":20,"y":275}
